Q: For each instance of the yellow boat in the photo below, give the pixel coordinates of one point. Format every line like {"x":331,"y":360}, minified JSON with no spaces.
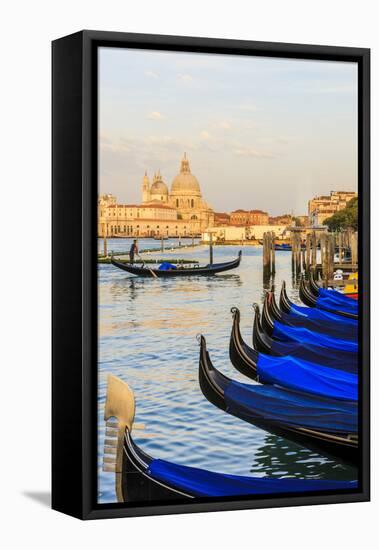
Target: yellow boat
{"x":351,"y":288}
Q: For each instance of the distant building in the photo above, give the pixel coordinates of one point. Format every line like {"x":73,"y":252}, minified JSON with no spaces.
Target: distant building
{"x":179,"y":212}
{"x":221,"y":218}
{"x":249,"y":217}
{"x":322,"y":207}
{"x":242,"y":233}
{"x":284,"y":219}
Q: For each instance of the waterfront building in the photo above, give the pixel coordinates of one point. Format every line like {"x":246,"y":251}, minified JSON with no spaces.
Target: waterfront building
{"x":249,"y":217}
{"x":221,"y":218}
{"x":284,"y":219}
{"x":242,"y":232}
{"x":180,"y":212}
{"x":322,"y":207}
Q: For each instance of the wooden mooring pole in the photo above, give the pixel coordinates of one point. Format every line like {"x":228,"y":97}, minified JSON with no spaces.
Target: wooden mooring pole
{"x":314,"y":249}
{"x":308,"y":252}
{"x":296,"y":251}
{"x":268,"y":254}
{"x":354,"y":248}
{"x":210,"y":249}
{"x":272,"y":250}
{"x":105,"y":241}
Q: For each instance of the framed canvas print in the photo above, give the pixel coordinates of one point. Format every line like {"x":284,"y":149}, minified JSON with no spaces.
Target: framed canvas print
{"x":210,"y":274}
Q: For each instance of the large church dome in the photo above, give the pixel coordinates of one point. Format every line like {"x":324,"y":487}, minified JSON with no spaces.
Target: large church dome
{"x":185,"y":183}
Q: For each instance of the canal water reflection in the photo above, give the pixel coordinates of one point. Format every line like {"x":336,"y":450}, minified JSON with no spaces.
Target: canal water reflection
{"x":147,"y":337}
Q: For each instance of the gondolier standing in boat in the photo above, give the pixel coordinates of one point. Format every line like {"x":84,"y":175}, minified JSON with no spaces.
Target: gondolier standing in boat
{"x":133,"y":251}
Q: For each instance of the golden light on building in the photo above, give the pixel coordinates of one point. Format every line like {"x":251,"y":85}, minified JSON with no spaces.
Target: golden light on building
{"x":181,"y":211}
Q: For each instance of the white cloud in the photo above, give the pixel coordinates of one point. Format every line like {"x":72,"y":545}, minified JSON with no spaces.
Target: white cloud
{"x":251,"y":152}
{"x":185,"y":77}
{"x":155,"y":115}
{"x":205,"y":135}
{"x":151,"y":74}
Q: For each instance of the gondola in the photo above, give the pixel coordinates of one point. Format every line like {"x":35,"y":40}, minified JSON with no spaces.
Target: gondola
{"x":331,"y":298}
{"x":139,"y":477}
{"x":290,"y":372}
{"x":341,"y":297}
{"x":291,"y":308}
{"x":309,"y":300}
{"x":283,"y":246}
{"x":303,"y":335}
{"x":271,"y":315}
{"x":179,"y":271}
{"x":308,"y":351}
{"x":323,"y":425}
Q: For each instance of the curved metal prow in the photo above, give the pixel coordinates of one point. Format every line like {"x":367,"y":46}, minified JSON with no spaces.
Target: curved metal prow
{"x":274,"y":309}
{"x":261,"y":341}
{"x":313,"y":286}
{"x":284,"y":302}
{"x":119,"y":415}
{"x":305,"y":296}
{"x":212,"y":382}
{"x":267,"y":321}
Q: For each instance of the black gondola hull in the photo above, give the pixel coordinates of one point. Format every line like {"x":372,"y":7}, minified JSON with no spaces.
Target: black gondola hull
{"x":339,"y":446}
{"x":205,"y":271}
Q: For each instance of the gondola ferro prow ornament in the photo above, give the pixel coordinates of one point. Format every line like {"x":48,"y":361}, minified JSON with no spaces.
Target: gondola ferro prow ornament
{"x":119,"y":405}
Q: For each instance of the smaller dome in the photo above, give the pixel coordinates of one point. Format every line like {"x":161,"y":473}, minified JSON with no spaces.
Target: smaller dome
{"x":158,"y":187}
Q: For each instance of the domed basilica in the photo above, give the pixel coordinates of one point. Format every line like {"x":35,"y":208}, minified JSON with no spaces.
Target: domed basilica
{"x":185,"y":196}
{"x":181,"y":212}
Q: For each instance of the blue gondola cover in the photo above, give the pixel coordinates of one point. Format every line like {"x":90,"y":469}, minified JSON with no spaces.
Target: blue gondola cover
{"x":336,"y":296}
{"x":303,"y":335}
{"x":166,"y":266}
{"x":203,"y":483}
{"x":319,"y":314}
{"x":272,"y":404}
{"x":344,"y":360}
{"x":331,"y":328}
{"x":307,"y":377}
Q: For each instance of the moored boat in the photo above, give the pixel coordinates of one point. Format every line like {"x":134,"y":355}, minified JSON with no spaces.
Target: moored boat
{"x":345,"y":360}
{"x":324,"y":425}
{"x":271,"y":315}
{"x":293,"y":309}
{"x":179,"y":271}
{"x":308,"y":299}
{"x":343,"y":298}
{"x":140,"y":477}
{"x":290,"y":372}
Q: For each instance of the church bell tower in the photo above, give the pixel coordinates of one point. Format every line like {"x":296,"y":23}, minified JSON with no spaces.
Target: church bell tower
{"x":145,"y":189}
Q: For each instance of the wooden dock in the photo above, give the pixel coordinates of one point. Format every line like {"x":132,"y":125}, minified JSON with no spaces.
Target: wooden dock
{"x":305,"y":254}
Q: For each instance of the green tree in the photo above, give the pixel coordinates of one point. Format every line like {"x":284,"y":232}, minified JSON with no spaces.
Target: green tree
{"x":343,"y":219}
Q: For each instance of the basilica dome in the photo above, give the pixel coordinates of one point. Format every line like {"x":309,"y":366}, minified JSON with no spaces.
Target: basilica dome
{"x":185,"y":183}
{"x":158,"y":186}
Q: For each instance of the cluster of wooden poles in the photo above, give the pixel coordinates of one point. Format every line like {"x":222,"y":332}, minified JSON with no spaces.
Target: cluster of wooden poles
{"x":304,"y":254}
{"x":268,"y":254}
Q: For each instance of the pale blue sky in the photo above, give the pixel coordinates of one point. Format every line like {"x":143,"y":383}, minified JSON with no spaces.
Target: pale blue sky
{"x":259,"y":132}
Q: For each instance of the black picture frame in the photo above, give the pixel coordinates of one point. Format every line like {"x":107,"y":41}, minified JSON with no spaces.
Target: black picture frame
{"x":74,"y":272}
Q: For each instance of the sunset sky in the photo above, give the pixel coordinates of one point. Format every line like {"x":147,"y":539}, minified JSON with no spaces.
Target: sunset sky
{"x":260,"y":133}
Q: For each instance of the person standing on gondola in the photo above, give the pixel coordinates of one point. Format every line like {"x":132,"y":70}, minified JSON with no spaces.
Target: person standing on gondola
{"x":133,"y":251}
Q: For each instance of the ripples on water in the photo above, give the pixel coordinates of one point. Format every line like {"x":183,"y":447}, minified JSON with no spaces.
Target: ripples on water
{"x":147,"y":337}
